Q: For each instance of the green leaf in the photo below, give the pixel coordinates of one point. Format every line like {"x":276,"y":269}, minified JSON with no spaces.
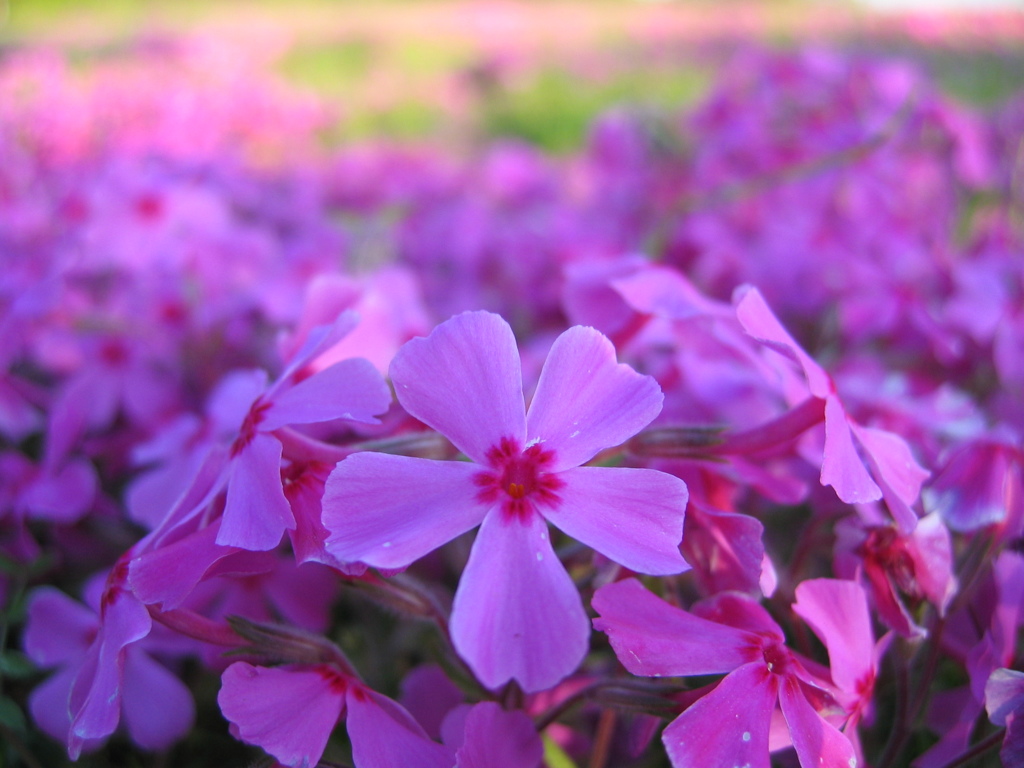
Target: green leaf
{"x":15,"y":664}
{"x":11,"y":715}
{"x":555,"y":756}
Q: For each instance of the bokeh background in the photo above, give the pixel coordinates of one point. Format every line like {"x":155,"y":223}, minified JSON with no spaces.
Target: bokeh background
{"x":457,"y":71}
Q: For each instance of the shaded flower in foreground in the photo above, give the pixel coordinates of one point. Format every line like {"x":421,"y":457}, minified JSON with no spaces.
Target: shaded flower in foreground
{"x":732,"y":723}
{"x":517,"y":614}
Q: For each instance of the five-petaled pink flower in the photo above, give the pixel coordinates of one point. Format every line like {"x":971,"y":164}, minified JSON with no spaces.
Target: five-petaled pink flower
{"x":517,"y":615}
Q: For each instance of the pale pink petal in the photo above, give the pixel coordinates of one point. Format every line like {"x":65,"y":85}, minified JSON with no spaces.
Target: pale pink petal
{"x":517,"y":614}
{"x":838,"y":613}
{"x":586,"y":401}
{"x":631,"y":516}
{"x":1004,"y":695}
{"x":388,"y":511}
{"x":759,"y":321}
{"x":384,"y":735}
{"x":256,"y":512}
{"x":655,"y":639}
{"x":464,"y":380}
{"x":351,"y":389}
{"x":288,"y":711}
{"x":495,"y":738}
{"x":59,"y":629}
{"x":728,"y":726}
{"x":818,"y":743}
{"x":158,"y":707}
{"x":842,"y":467}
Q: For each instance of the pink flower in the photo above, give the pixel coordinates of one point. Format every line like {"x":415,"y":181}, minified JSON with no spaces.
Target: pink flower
{"x":103,"y":670}
{"x":291,"y":711}
{"x":517,"y":614}
{"x":731,"y":724}
{"x":861,"y":463}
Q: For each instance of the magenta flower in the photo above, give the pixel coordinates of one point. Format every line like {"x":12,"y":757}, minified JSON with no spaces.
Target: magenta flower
{"x":731,"y":724}
{"x":517,"y":614}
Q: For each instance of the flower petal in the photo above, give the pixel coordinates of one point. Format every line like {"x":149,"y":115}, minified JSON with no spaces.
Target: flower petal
{"x":632,"y":516}
{"x":59,"y":629}
{"x":586,"y":401}
{"x":517,"y":614}
{"x":838,"y":613}
{"x":841,"y":466}
{"x":256,"y":512}
{"x":289,"y":712}
{"x":729,"y":725}
{"x":351,"y":389}
{"x":495,"y":738}
{"x":95,"y":698}
{"x":465,"y":381}
{"x":818,"y":744}
{"x":384,"y":735}
{"x":158,"y":707}
{"x":388,"y":511}
{"x":168,"y":574}
{"x":655,"y":639}
{"x":759,"y":321}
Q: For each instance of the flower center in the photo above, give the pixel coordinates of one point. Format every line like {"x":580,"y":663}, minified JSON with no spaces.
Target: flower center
{"x":776,"y":657}
{"x":518,"y":479}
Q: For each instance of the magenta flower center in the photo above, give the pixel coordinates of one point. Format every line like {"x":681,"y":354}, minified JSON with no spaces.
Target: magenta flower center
{"x":518,"y":479}
{"x":776,"y":657}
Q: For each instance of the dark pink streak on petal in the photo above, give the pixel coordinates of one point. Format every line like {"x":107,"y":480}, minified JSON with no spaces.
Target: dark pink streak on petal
{"x":818,"y":743}
{"x":517,"y":614}
{"x":655,"y":639}
{"x":586,"y":401}
{"x":289,"y":712}
{"x":632,"y":516}
{"x":728,"y":726}
{"x":388,"y":511}
{"x":464,"y":380}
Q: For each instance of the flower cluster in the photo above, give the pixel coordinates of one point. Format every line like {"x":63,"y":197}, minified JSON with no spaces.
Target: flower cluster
{"x":716,"y":423}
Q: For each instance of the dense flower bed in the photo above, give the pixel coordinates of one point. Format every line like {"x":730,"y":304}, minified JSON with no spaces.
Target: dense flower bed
{"x":732,"y":399}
